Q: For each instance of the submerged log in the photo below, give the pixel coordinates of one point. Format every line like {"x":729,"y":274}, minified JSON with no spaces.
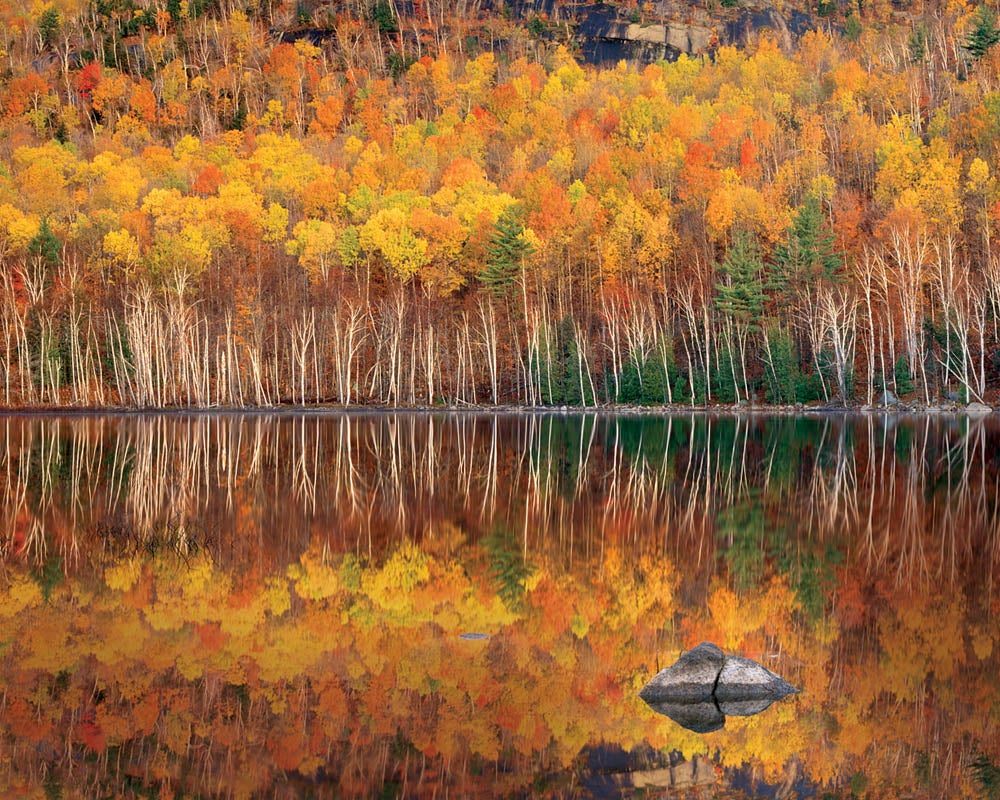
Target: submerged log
{"x":704,"y":686}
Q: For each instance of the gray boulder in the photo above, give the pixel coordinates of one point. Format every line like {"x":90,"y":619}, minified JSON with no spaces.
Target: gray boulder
{"x":690,"y":680}
{"x":744,"y":679}
{"x":705,"y":686}
{"x":978,"y":410}
{"x":887,"y":398}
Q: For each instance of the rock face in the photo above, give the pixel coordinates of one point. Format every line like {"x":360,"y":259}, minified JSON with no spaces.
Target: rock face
{"x":705,"y":686}
{"x":606,"y":38}
{"x":749,"y":23}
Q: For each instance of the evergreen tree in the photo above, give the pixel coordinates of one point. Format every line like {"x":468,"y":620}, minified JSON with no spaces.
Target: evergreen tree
{"x":807,"y":257}
{"x":506,"y":252}
{"x":562,"y":371}
{"x":384,"y":18}
{"x":984,"y":33}
{"x":46,"y":245}
{"x":741,"y":295}
{"x":48,"y":26}
{"x":740,"y":298}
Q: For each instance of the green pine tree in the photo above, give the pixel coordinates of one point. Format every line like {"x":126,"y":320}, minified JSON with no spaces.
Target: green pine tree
{"x":984,"y":33}
{"x":505,"y":253}
{"x":741,"y":295}
{"x":49,"y":23}
{"x":806,"y":258}
{"x":46,"y":245}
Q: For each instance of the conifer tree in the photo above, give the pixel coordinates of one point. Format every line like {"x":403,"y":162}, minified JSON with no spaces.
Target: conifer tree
{"x":45,"y":245}
{"x":506,"y":252}
{"x":806,"y":258}
{"x":740,"y":299}
{"x":741,"y":293}
{"x":984,"y":33}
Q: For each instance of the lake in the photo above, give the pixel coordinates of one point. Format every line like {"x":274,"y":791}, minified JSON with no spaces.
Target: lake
{"x":427,"y":605}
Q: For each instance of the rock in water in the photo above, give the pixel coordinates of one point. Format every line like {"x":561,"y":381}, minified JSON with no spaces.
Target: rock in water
{"x":705,"y":685}
{"x":978,"y":410}
{"x":690,"y":680}
{"x":745,"y":708}
{"x":743,"y":679}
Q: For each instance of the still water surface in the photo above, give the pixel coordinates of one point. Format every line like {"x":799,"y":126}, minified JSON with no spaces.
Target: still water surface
{"x":417,"y":605}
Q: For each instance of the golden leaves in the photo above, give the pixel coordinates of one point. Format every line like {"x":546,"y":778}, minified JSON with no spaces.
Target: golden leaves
{"x":123,"y":576}
{"x":282,"y":668}
{"x":20,"y":594}
{"x":313,"y":578}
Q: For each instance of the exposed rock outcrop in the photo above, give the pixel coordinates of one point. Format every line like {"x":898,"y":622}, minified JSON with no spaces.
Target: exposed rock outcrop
{"x":604,"y":37}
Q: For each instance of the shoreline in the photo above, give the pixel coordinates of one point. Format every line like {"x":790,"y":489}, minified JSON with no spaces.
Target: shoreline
{"x":898,"y":409}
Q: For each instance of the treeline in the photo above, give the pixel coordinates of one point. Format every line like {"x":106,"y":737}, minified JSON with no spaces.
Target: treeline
{"x":196,"y":212}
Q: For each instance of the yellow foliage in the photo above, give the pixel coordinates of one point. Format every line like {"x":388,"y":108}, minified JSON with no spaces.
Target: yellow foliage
{"x":736,"y":203}
{"x":16,"y":228}
{"x":390,"y":587}
{"x":315,"y":244}
{"x":20,"y":594}
{"x":982,"y":645}
{"x":388,"y":233}
{"x":313,"y":578}
{"x":122,"y":577}
{"x":121,"y":246}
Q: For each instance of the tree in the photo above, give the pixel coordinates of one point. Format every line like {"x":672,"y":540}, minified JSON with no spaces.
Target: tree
{"x":740,"y":298}
{"x":807,"y":256}
{"x":388,"y":233}
{"x":984,"y":33}
{"x":46,"y":246}
{"x":506,"y":252}
{"x":48,"y":26}
{"x":741,"y":292}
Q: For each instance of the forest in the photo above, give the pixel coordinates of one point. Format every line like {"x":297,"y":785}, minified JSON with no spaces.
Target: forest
{"x":418,"y":204}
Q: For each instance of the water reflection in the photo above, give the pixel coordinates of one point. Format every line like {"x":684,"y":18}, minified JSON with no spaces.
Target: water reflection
{"x":273,"y":604}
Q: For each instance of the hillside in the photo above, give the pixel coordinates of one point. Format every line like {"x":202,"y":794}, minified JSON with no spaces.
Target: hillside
{"x":429,"y":202}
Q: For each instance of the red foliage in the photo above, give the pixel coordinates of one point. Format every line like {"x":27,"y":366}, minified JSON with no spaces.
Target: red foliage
{"x":748,"y":158}
{"x":700,"y":176}
{"x":88,"y":79}
{"x":91,"y":733}
{"x":209,"y":180}
{"x":211,"y":636}
{"x":24,"y":94}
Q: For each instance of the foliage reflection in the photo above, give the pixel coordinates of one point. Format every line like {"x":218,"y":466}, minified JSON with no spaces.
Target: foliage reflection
{"x":266,"y":604}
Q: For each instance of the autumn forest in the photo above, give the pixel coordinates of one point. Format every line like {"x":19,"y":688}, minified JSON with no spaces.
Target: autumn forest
{"x":204,"y":204}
